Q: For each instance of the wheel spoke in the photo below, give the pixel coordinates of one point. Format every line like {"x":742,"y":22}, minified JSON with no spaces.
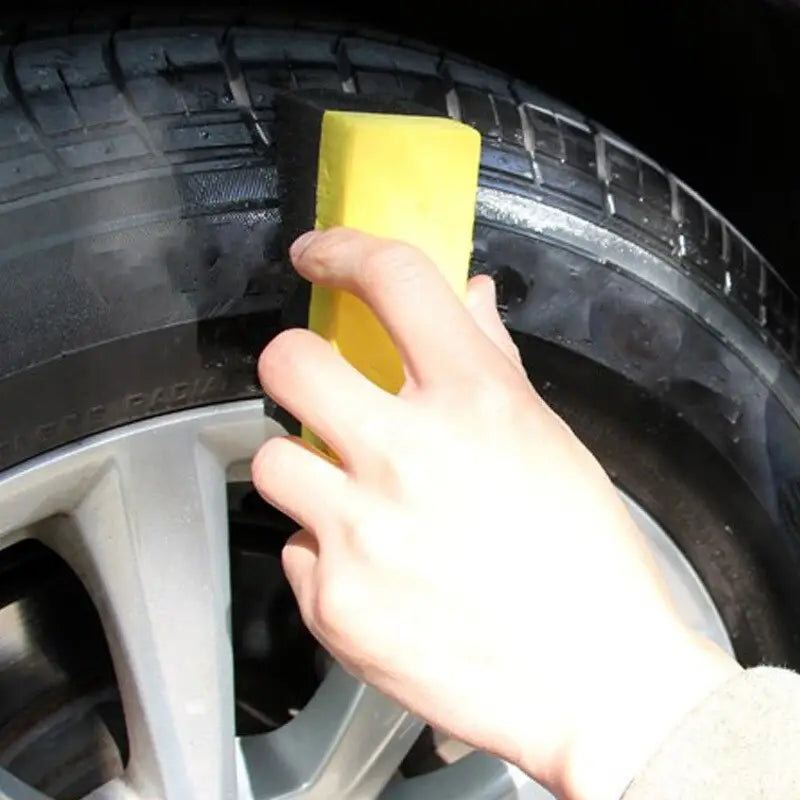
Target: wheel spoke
{"x":117,"y":789}
{"x":13,"y":789}
{"x":140,"y":514}
{"x":347,"y":742}
{"x":477,"y":776}
{"x":149,"y":540}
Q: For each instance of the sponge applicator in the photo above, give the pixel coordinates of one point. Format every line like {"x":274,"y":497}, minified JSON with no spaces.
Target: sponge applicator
{"x":397,"y":175}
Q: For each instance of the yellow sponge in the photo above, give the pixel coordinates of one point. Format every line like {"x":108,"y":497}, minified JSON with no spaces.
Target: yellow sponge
{"x":403,"y":177}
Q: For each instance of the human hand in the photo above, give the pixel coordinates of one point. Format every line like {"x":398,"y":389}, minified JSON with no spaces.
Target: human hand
{"x":466,"y":554}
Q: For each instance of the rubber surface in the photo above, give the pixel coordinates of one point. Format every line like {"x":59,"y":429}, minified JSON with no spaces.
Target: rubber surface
{"x":154,"y":125}
{"x":143,"y":268}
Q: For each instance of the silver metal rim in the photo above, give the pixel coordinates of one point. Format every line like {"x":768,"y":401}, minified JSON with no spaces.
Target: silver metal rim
{"x":140,"y":514}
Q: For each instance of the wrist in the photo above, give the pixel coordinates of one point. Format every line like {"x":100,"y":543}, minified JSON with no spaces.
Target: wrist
{"x":633,"y":710}
{"x":620,"y":714}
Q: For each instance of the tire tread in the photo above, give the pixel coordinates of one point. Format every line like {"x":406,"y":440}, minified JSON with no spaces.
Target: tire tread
{"x":74,"y":107}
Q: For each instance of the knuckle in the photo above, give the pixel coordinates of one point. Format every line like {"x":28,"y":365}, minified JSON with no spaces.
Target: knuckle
{"x":361,"y":538}
{"x":374,"y":538}
{"x":268,"y":460}
{"x":334,"y":603}
{"x":387,"y":471}
{"x":280,"y":354}
{"x":333,"y":247}
{"x":391,"y":264}
{"x":493,"y":400}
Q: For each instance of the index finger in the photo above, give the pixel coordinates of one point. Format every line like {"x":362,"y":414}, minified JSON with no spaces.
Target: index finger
{"x":426,"y":320}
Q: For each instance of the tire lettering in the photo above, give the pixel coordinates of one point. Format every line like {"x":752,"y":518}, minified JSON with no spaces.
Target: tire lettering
{"x":75,"y":424}
{"x":211,"y":385}
{"x":134,"y":403}
{"x":45,"y":433}
{"x":180,"y":392}
{"x":70,"y":422}
{"x":158,"y":399}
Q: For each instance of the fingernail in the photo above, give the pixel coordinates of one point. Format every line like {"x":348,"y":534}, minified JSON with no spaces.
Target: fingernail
{"x":301,"y":244}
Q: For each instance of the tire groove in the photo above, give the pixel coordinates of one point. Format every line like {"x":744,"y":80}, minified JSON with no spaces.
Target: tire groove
{"x":237,"y":85}
{"x":18,"y":94}
{"x":344,"y":66}
{"x":69,"y":94}
{"x":117,"y":75}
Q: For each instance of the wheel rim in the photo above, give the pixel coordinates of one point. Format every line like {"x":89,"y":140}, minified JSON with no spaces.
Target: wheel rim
{"x":140,"y":514}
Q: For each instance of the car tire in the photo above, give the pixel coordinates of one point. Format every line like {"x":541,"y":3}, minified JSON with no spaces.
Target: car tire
{"x":143,"y":267}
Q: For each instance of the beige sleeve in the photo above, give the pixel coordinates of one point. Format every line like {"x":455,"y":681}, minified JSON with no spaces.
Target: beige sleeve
{"x":741,"y":743}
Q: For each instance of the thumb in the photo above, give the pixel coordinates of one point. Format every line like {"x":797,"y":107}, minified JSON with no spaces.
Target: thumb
{"x":481,"y":302}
